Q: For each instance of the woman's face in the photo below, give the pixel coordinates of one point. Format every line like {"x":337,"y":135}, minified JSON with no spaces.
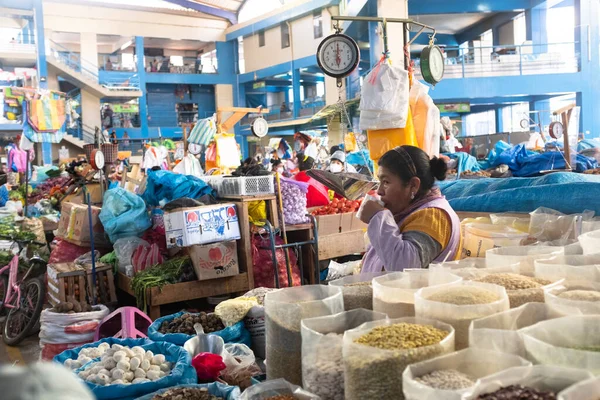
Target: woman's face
{"x":396,"y":194}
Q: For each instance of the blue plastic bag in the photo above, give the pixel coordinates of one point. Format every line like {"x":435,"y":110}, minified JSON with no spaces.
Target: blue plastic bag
{"x":74,"y":353}
{"x":182,"y":373}
{"x":232,"y":334}
{"x":216,"y":389}
{"x":166,"y":186}
{"x":124,"y":214}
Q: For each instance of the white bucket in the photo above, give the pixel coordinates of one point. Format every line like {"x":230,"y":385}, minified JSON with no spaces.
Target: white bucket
{"x":482,"y":237}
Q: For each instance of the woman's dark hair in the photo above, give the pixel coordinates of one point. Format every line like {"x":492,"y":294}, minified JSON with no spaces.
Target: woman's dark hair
{"x":305,"y":162}
{"x":275,"y":163}
{"x":406,"y":162}
{"x":333,"y":149}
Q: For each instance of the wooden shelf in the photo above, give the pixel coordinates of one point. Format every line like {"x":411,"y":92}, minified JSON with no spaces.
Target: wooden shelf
{"x":297,"y":227}
{"x":186,"y":290}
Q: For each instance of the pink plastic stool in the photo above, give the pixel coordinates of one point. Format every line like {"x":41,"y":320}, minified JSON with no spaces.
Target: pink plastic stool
{"x":124,"y":322}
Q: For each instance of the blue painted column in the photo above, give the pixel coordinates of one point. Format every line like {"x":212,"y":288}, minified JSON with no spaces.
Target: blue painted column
{"x":297,"y":88}
{"x":587,"y":21}
{"x":239,"y":100}
{"x":42,"y":65}
{"x":141,"y":71}
{"x":536,"y":29}
{"x":226,"y":56}
{"x":499,"y":120}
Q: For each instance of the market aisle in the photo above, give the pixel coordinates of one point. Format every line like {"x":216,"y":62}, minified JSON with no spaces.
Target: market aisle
{"x":26,"y":353}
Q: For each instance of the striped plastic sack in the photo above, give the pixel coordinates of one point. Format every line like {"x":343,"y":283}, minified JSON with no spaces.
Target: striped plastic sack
{"x":30,"y":125}
{"x":203,"y":132}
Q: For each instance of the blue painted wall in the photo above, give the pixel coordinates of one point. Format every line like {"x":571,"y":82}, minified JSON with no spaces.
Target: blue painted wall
{"x":162,"y":100}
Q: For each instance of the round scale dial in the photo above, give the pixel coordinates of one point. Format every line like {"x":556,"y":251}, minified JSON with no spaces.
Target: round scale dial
{"x":338,"y":55}
{"x":432,"y":64}
{"x":524,"y":123}
{"x":556,"y":130}
{"x":194,"y":148}
{"x":260,"y":127}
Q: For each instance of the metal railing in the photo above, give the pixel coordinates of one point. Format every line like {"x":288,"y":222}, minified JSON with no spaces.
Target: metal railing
{"x":509,"y":60}
{"x":306,"y":110}
{"x":190,"y":65}
{"x":88,"y":70}
{"x":115,"y":66}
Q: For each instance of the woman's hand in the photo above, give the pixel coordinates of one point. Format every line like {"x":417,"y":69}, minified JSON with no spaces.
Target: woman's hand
{"x":369,"y":209}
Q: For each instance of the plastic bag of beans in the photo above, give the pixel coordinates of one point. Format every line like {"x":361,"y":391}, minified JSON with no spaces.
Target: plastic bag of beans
{"x":279,"y":389}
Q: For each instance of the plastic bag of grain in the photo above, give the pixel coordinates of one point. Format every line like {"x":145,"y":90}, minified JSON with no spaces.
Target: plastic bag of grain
{"x":542,"y":378}
{"x":501,"y":332}
{"x":394,"y":294}
{"x":584,"y":390}
{"x":524,"y":255}
{"x":574,"y":297}
{"x":322,"y":340}
{"x":448,"y":377}
{"x":572,"y":341}
{"x":357,"y":290}
{"x":255,"y":320}
{"x":376,"y":353}
{"x":284,"y":310}
{"x":460,"y":303}
{"x":276,"y":389}
{"x":471,"y":268}
{"x":521,"y":289}
{"x":572,"y":267}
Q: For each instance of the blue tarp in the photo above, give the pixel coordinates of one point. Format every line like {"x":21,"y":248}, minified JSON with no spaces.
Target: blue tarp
{"x":568,"y":193}
{"x":465,"y":162}
{"x":588,"y":144}
{"x":231,"y":334}
{"x":169,"y":186}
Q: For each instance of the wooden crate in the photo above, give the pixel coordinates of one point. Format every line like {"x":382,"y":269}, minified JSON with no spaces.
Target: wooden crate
{"x":65,"y":280}
{"x":106,"y":291}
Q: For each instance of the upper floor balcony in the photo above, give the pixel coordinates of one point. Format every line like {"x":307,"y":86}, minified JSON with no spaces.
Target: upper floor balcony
{"x":18,"y":51}
{"x":508,"y":60}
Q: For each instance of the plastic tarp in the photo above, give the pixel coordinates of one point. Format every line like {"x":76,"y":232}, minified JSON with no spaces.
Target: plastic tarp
{"x":167,"y":186}
{"x":565,"y":192}
{"x":588,"y":144}
{"x":231,"y":334}
{"x":465,"y":162}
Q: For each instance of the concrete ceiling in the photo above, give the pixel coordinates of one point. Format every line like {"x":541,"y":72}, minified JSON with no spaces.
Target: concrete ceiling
{"x":67,"y":38}
{"x":451,"y":24}
{"x":229,"y":5}
{"x":173,"y":44}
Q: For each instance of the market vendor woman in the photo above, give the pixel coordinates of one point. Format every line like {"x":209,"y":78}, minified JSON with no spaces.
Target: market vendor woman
{"x":416,"y":226}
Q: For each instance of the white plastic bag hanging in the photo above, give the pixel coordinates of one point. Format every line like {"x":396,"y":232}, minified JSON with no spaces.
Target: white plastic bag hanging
{"x":189,"y":166}
{"x":384,"y":100}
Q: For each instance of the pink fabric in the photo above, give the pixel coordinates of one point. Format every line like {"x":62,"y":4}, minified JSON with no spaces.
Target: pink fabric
{"x":389,"y":252}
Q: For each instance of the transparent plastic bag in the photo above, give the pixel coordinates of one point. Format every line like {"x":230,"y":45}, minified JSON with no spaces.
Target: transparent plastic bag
{"x":572,"y":341}
{"x":475,"y":363}
{"x":385,"y":92}
{"x":540,"y":377}
{"x":574,"y":305}
{"x":394,"y":294}
{"x":590,"y":242}
{"x":322,"y":342}
{"x":471,"y":268}
{"x":518,"y":223}
{"x":459,"y":316}
{"x":276,"y":387}
{"x":233,"y":311}
{"x":339,"y":270}
{"x":501,"y":331}
{"x":524,"y":255}
{"x":124,"y":249}
{"x":357,"y":290}
{"x":584,"y":390}
{"x":241,"y":365}
{"x":284,"y":310}
{"x":572,"y":267}
{"x":373,"y":373}
{"x":548,"y":225}
{"x":478,"y":238}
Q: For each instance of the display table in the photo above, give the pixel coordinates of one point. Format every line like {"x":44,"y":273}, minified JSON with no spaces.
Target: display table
{"x":185,"y":291}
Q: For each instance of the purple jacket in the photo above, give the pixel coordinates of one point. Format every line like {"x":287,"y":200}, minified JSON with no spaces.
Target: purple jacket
{"x":390,"y":253}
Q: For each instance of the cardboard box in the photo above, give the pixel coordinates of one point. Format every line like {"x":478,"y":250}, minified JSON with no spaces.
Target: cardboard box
{"x":94,"y":190}
{"x":201,"y":225}
{"x":74,"y":225}
{"x":216,"y":260}
{"x":338,"y":223}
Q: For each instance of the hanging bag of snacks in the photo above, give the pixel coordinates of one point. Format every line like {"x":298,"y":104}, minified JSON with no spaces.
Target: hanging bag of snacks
{"x":284,"y":310}
{"x":460,"y":303}
{"x":322,"y":342}
{"x":376,"y":353}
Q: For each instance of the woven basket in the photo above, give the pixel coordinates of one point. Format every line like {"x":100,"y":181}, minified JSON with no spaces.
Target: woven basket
{"x":111,"y":152}
{"x":88,"y":150}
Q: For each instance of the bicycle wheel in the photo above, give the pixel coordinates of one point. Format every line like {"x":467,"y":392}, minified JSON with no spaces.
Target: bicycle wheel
{"x":3,"y":291}
{"x":22,"y":319}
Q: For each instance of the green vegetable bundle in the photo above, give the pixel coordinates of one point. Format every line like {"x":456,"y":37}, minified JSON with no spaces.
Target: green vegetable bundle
{"x":157,"y":276}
